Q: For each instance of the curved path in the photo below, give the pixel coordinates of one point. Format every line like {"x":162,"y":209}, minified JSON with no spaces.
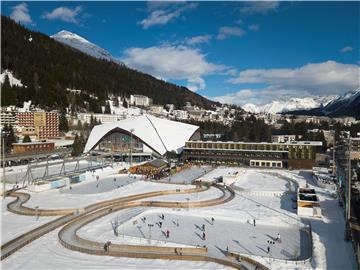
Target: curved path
{"x":76,"y":219}
{"x":67,"y":215}
{"x":69,"y":238}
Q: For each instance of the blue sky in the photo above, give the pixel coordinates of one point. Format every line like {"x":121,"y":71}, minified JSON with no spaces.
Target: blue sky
{"x":234,"y":52}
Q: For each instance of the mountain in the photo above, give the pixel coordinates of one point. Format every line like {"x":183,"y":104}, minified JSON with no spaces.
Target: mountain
{"x":281,"y":106}
{"x":48,"y":68}
{"x":345,"y":105}
{"x":80,"y":43}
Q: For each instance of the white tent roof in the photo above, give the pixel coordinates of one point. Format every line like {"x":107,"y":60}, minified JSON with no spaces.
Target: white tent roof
{"x":161,"y":135}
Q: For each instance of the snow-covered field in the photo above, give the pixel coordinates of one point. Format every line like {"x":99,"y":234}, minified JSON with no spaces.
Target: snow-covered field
{"x":232,"y":228}
{"x":47,"y":253}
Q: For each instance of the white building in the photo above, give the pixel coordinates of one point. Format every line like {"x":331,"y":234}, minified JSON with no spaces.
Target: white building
{"x":283,"y":138}
{"x":158,"y":134}
{"x":180,"y":114}
{"x":103,"y":118}
{"x":140,"y":100}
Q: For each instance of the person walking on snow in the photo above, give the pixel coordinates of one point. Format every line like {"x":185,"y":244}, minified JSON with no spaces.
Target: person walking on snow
{"x":278,"y":237}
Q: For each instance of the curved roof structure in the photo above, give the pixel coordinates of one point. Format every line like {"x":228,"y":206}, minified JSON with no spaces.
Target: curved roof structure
{"x":161,"y":135}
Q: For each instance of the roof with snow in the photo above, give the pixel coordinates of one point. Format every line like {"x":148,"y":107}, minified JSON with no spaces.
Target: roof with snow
{"x":161,"y":135}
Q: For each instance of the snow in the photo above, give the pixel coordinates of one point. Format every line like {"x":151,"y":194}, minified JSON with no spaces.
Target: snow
{"x":12,"y":80}
{"x":13,"y":225}
{"x":233,"y":224}
{"x":239,"y":236}
{"x":80,"y":43}
{"x":292,"y":104}
{"x":54,"y":256}
{"x":264,"y":181}
{"x":162,"y":135}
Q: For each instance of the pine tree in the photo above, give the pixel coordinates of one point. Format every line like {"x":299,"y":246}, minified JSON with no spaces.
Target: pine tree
{"x":26,"y":139}
{"x":78,"y":145}
{"x":9,"y":137}
{"x":107,"y":108}
{"x":125,"y":104}
{"x":63,"y":123}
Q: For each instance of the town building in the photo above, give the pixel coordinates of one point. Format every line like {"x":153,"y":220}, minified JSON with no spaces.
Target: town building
{"x":44,"y":124}
{"x":8,"y":118}
{"x":102,"y":117}
{"x":32,"y":147}
{"x":283,"y":138}
{"x":145,"y":133}
{"x":180,"y":114}
{"x":140,"y":100}
{"x":289,"y":154}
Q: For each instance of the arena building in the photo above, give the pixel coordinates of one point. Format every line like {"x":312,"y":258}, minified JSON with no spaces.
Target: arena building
{"x":293,"y":154}
{"x":141,"y":134}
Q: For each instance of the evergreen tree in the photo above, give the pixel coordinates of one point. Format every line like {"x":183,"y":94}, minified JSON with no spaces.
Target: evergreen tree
{"x":78,"y":145}
{"x":26,"y":139}
{"x":125,"y":104}
{"x":107,"y":108}
{"x":63,"y":122}
{"x":9,"y":137}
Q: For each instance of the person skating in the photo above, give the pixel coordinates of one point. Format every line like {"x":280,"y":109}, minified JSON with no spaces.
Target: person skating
{"x":278,"y":237}
{"x":160,"y":224}
{"x":254,"y":221}
{"x":105,"y":247}
{"x":212,"y":221}
{"x":203,"y":227}
{"x":268,"y":249}
{"x":162,"y":216}
{"x":167,"y":233}
{"x":204,"y":236}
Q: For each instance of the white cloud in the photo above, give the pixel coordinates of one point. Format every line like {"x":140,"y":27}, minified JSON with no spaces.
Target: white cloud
{"x":172,"y":62}
{"x":20,"y":13}
{"x":226,"y":31}
{"x":347,"y":49}
{"x":328,"y":77}
{"x":259,"y":7}
{"x":254,"y":27}
{"x":168,"y":13}
{"x":198,"y":39}
{"x":65,"y":14}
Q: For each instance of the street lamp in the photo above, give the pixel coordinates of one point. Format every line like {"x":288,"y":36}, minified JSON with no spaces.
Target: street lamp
{"x":3,"y":133}
{"x":150,"y":226}
{"x":131,"y":132}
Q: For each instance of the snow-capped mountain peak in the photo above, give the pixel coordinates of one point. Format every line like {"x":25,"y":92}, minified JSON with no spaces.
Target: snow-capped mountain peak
{"x":82,"y":44}
{"x":292,"y":104}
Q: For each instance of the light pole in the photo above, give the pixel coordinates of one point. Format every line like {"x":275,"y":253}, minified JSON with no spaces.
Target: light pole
{"x":150,"y":226}
{"x":131,"y":132}
{"x":3,"y":159}
{"x":349,"y":181}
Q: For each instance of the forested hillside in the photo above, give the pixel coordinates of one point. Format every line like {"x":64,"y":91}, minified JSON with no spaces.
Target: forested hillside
{"x":48,"y":67}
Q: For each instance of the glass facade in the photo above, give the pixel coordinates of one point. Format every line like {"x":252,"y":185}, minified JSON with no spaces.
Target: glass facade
{"x":118,"y":142}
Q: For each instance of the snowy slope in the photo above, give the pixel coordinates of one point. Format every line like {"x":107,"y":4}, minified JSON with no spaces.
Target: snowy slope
{"x":291,"y":104}
{"x":12,"y":79}
{"x":80,"y":43}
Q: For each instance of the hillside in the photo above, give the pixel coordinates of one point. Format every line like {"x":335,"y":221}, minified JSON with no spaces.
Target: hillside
{"x":48,"y":68}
